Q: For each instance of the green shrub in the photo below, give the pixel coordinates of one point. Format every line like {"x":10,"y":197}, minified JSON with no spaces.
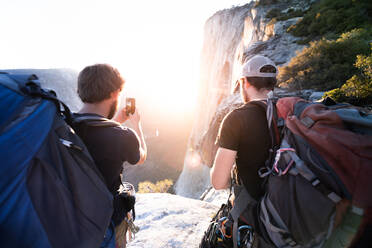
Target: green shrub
{"x":291,"y":14}
{"x":276,"y":15}
{"x":265,"y":2}
{"x":326,"y":64}
{"x":358,"y":89}
{"x":333,"y":16}
{"x":159,"y":187}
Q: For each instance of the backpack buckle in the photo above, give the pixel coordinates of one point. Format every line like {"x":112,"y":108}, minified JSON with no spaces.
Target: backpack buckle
{"x":279,"y":153}
{"x":264,"y":171}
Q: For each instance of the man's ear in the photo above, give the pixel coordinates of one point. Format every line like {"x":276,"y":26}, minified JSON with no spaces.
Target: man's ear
{"x":115,"y":94}
{"x":245,"y":83}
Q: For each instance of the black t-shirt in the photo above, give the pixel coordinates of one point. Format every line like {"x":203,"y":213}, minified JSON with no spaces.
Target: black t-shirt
{"x":245,"y":130}
{"x":110,"y":147}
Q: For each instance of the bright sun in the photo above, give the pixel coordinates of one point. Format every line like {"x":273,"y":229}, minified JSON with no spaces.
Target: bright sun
{"x":167,"y":83}
{"x":155,"y":44}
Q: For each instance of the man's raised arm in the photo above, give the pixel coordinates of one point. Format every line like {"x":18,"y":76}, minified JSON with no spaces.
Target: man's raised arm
{"x":135,"y":118}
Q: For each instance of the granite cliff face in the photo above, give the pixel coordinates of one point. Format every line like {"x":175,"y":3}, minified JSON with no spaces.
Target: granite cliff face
{"x":231,"y":37}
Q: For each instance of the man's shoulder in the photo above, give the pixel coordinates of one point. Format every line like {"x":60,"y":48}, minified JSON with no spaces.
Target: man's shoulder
{"x":110,"y":131}
{"x":116,"y":132}
{"x":246,"y":115}
{"x":126,"y":131}
{"x":250,"y":106}
{"x":246,"y":110}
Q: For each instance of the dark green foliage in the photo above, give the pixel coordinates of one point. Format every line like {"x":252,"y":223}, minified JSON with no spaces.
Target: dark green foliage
{"x":342,"y":30}
{"x":333,"y":17}
{"x":358,"y":89}
{"x":276,"y":15}
{"x":291,"y":14}
{"x":265,"y":2}
{"x":326,"y":64}
{"x":304,"y":41}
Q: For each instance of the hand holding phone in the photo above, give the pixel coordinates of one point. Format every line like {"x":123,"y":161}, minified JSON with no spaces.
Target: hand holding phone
{"x":130,"y":106}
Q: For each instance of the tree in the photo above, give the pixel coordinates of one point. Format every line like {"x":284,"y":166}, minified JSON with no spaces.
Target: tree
{"x":326,"y":64}
{"x":358,"y":89}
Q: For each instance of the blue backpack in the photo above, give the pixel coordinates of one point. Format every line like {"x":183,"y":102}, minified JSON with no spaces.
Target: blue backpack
{"x":51,"y":193}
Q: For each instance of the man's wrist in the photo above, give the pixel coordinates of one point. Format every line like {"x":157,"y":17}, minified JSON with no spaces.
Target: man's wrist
{"x":137,"y":125}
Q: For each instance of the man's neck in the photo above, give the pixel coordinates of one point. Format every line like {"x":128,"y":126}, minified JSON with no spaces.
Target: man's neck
{"x":259,"y":95}
{"x":94,"y":108}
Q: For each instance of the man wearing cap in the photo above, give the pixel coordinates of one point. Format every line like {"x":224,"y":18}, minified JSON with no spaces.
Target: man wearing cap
{"x":243,"y":136}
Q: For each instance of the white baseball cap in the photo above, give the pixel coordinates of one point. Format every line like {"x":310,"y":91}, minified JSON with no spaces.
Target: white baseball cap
{"x":254,"y":67}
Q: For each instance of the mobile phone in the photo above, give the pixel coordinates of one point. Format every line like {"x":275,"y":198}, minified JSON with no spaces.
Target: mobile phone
{"x":130,"y":105}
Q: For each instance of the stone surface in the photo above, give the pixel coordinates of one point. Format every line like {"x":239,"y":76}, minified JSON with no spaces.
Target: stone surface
{"x":170,"y":221}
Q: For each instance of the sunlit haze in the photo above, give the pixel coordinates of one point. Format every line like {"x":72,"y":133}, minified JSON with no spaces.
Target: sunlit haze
{"x":155,"y":44}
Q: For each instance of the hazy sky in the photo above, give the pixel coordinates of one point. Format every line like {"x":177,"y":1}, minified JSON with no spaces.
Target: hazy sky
{"x":154,"y":43}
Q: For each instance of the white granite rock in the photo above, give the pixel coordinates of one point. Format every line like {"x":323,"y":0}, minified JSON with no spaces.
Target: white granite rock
{"x":170,"y":221}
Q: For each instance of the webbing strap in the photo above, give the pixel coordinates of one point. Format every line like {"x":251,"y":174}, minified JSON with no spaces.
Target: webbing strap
{"x":302,"y":169}
{"x":300,"y":164}
{"x":270,"y":108}
{"x":266,"y":220}
{"x":30,"y":85}
{"x":241,"y":202}
{"x":96,"y":121}
{"x":235,"y":234}
{"x":282,"y":230}
{"x":275,"y":214}
{"x":357,"y":210}
{"x":89,"y":118}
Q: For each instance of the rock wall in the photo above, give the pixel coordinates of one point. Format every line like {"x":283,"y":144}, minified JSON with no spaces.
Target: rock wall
{"x":170,"y":221}
{"x":231,"y":37}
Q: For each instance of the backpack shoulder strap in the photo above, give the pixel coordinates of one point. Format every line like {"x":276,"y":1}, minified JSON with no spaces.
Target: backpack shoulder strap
{"x":269,"y":106}
{"x":94,"y":121}
{"x":242,"y":200}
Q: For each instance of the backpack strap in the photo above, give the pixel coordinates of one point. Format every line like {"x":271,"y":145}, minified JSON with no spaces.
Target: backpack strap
{"x":94,"y":121}
{"x":273,"y":122}
{"x":242,"y":200}
{"x":279,"y":226}
{"x":274,"y":125}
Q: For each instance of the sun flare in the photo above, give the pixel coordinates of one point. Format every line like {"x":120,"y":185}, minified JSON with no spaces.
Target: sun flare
{"x":173,"y":89}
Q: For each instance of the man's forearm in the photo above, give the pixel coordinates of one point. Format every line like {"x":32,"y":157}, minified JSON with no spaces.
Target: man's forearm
{"x":143,"y":148}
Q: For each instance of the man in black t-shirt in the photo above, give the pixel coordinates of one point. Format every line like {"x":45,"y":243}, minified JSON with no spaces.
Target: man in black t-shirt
{"x":110,"y":147}
{"x":243,"y":137}
{"x":100,"y":87}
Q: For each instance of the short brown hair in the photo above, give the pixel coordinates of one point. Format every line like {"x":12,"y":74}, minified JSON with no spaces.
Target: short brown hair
{"x":97,"y":82}
{"x":259,"y":83}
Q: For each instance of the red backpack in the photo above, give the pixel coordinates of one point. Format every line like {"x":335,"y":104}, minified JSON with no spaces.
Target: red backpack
{"x":322,"y":156}
{"x":341,"y":137}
